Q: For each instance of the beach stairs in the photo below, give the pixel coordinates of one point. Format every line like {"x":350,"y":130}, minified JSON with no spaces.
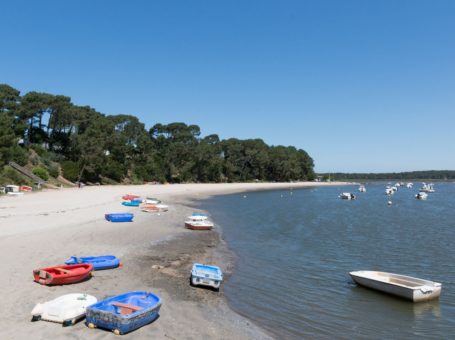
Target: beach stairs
{"x":24,"y":171}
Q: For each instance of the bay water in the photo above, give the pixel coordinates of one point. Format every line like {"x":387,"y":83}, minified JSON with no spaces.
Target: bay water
{"x":295,"y":248}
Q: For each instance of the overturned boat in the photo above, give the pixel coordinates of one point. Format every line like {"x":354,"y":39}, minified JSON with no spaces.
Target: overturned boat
{"x":407,"y":287}
{"x":115,"y":217}
{"x":66,"y":309}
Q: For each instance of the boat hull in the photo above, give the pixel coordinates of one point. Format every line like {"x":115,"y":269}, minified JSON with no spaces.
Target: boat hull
{"x":194,"y":226}
{"x":406,"y":287}
{"x":98,"y":262}
{"x":62,"y":275}
{"x":119,"y":217}
{"x":66,"y":309}
{"x":109,"y":315}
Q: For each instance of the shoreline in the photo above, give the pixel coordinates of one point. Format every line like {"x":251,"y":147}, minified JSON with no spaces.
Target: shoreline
{"x":56,"y":224}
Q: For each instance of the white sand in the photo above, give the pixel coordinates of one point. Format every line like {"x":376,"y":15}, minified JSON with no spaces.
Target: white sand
{"x":44,"y":229}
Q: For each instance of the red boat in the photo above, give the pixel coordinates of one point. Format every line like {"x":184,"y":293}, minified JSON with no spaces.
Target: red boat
{"x":129,"y":197}
{"x":62,"y":275}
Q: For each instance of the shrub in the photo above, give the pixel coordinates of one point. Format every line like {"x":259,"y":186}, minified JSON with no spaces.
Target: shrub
{"x":54,"y":170}
{"x":41,"y":172}
{"x":70,"y":170}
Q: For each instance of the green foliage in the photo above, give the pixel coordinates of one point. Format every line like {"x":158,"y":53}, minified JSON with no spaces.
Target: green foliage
{"x":54,"y":170}
{"x":70,"y":170}
{"x":41,"y":172}
{"x":10,"y":176}
{"x":100,"y":148}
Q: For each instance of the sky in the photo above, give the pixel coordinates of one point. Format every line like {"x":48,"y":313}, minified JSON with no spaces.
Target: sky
{"x":362,"y":86}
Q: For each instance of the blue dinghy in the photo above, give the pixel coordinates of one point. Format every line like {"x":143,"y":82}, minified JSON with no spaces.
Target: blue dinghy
{"x":99,"y":262}
{"x":206,"y":275}
{"x":124,"y":313}
{"x":132,"y":203}
{"x":125,"y":217}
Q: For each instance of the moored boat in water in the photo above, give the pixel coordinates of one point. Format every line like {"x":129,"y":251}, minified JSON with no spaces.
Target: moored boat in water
{"x":347,"y":196}
{"x":407,"y":287}
{"x":422,"y":195}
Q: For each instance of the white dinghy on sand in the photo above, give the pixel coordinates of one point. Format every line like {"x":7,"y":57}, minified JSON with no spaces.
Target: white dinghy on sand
{"x":66,"y":309}
{"x":407,"y":287}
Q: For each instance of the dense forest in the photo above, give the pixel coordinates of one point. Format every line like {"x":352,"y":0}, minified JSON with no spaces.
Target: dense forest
{"x":53,"y":137}
{"x":410,"y":175}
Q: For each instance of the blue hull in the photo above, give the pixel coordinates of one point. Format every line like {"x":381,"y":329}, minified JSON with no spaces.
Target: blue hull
{"x":131,"y":203}
{"x":105,"y":314}
{"x":99,"y":262}
{"x":127,"y":217}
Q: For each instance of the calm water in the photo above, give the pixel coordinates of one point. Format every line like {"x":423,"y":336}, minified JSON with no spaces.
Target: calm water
{"x":295,"y":252}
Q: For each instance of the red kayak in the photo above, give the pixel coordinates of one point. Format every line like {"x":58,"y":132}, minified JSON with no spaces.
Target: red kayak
{"x":129,"y":197}
{"x":62,"y":275}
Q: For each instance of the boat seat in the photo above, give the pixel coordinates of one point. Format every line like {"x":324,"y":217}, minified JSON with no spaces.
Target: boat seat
{"x":126,"y":308}
{"x":66,"y":271}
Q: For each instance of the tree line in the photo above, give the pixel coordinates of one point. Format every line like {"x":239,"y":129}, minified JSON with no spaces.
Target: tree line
{"x":405,"y":176}
{"x":87,"y":145}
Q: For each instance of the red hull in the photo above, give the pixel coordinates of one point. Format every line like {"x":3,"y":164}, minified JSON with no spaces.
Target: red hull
{"x":62,"y":275}
{"x":197,"y":227}
{"x":129,"y":197}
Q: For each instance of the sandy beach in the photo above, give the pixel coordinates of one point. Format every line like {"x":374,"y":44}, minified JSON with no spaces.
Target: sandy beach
{"x":45,"y":228}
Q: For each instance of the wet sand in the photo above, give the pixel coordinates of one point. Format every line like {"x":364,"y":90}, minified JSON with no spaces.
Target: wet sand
{"x":45,"y":228}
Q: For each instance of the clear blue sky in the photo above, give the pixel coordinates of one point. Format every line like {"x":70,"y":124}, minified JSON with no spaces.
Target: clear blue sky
{"x":361,"y":85}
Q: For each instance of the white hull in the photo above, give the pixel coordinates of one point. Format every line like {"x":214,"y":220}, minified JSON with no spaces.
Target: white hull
{"x":64,"y":309}
{"x":407,"y":287}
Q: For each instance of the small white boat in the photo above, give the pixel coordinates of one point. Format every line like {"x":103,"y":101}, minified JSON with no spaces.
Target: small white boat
{"x":362,"y":188}
{"x":407,"y":287}
{"x":409,"y":185}
{"x":66,"y":309}
{"x":347,"y":196}
{"x":389,"y":191}
{"x":198,"y":222}
{"x":151,"y":200}
{"x":422,"y":195}
{"x":427,"y":187}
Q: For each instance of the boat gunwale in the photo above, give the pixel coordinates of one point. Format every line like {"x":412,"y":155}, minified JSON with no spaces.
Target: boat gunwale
{"x":429,"y":283}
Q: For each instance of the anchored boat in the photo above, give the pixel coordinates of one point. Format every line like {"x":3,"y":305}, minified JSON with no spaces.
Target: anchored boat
{"x":62,"y":275}
{"x":66,"y":309}
{"x":98,"y":262}
{"x":407,"y":287}
{"x":124,"y":313}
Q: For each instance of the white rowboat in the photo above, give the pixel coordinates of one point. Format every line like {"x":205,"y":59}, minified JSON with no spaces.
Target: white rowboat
{"x":407,"y":287}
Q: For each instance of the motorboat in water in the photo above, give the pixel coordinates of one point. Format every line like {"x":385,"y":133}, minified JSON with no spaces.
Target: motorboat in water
{"x":407,"y":287}
{"x":66,"y":309}
{"x":347,"y":196}
{"x":362,"y":188}
{"x":422,"y":195}
{"x":427,"y":187}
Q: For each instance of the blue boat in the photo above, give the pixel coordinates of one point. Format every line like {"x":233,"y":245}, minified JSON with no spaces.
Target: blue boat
{"x":99,"y":262}
{"x":124,"y":217}
{"x":206,"y":275}
{"x":124,"y":313}
{"x":132,"y":203}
